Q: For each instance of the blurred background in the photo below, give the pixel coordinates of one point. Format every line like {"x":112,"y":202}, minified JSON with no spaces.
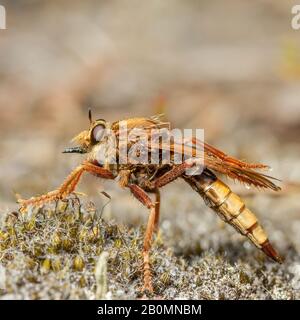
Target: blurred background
{"x":231,"y":67}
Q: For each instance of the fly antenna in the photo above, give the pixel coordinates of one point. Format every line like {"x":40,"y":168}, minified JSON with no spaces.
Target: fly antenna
{"x":90,"y":115}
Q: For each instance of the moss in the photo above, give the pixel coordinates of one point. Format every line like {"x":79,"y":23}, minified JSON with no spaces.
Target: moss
{"x":52,"y":253}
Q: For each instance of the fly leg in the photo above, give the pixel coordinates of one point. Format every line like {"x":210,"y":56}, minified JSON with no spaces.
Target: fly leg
{"x":68,"y":185}
{"x":174,"y":173}
{"x":143,"y":197}
{"x":157,"y":209}
{"x":153,"y":186}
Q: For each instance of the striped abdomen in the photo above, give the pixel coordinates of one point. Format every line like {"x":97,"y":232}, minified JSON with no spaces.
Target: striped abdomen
{"x":232,"y":209}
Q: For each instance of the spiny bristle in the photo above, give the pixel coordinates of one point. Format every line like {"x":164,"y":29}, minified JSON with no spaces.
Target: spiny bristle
{"x":269,"y":250}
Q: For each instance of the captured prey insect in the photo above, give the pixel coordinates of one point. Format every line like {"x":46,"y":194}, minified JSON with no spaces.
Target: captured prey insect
{"x":143,"y":179}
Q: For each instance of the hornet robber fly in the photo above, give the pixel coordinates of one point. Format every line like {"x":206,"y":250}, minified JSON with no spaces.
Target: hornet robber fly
{"x":143,"y":179}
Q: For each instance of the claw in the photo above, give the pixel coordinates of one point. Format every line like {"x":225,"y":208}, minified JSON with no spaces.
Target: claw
{"x":147,"y":289}
{"x":146,"y":292}
{"x":39,"y":201}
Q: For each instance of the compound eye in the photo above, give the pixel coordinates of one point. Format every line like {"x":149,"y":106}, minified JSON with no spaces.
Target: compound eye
{"x":98,"y":133}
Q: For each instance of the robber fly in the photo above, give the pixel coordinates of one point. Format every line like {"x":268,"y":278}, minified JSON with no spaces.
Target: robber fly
{"x":147,"y":178}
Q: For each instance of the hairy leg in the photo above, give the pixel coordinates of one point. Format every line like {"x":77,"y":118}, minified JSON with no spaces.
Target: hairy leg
{"x":68,"y":185}
{"x":174,"y":173}
{"x":143,"y":197}
{"x":157,"y":209}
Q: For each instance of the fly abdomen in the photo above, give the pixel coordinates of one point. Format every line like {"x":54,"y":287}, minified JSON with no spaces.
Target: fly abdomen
{"x":232,"y":209}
